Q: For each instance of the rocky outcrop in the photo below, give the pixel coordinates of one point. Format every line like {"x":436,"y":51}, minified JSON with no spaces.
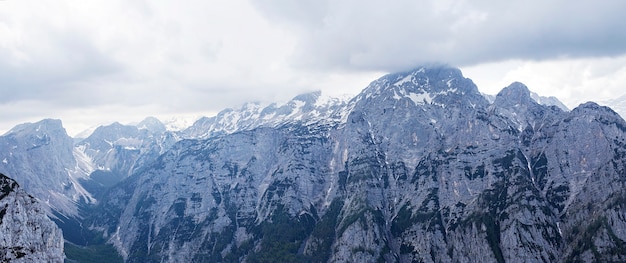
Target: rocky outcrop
{"x":41,"y":158}
{"x":26,"y":233}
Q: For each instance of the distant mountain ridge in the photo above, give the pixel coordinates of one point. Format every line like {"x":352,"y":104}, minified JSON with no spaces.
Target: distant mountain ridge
{"x":419,"y":166}
{"x":309,"y":107}
{"x":546,"y":101}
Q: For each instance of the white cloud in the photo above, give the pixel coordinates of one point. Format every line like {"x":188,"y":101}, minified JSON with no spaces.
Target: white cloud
{"x":394,"y":35}
{"x":100,"y":58}
{"x":573,"y":81}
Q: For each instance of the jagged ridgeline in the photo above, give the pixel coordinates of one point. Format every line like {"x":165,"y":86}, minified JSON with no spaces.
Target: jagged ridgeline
{"x":418,"y":167}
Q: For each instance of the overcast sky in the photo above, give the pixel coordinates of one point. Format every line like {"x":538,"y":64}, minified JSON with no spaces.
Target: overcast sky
{"x":95,"y":62}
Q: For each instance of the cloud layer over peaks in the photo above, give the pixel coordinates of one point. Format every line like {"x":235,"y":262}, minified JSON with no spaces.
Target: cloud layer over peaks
{"x":386,"y":35}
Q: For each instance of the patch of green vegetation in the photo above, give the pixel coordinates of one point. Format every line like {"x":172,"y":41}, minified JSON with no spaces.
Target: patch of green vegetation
{"x":282,"y":236}
{"x":360,"y":215}
{"x":3,"y":212}
{"x":399,"y":171}
{"x":74,"y":231}
{"x":584,"y":238}
{"x":620,"y":245}
{"x":106,"y":178}
{"x":475,"y":172}
{"x":212,"y":246}
{"x":493,"y":234}
{"x":406,"y":248}
{"x":426,"y":167}
{"x":7,"y":185}
{"x":385,"y":252}
{"x":93,"y":254}
{"x":506,"y":163}
{"x":402,"y":221}
{"x":585,"y":242}
{"x":144,"y":204}
{"x":237,"y":253}
{"x":495,"y":200}
{"x":556,"y":196}
{"x":365,"y":168}
{"x":324,"y":231}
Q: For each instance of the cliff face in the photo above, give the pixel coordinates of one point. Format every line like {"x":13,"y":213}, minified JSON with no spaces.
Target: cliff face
{"x":419,"y":168}
{"x":42,"y":158}
{"x":26,"y":233}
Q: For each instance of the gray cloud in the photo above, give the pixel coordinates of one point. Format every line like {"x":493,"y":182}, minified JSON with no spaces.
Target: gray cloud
{"x":52,"y":64}
{"x":306,"y":13}
{"x":389,"y":36}
{"x":202,"y":56}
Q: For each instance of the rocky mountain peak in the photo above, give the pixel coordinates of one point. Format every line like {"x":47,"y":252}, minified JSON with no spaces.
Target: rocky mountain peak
{"x":428,"y":78}
{"x":117,"y":148}
{"x":513,"y":95}
{"x":47,"y":132}
{"x":429,"y":86}
{"x":112,"y":131}
{"x":518,"y":94}
{"x":41,"y":158}
{"x":46,"y":126}
{"x":152,"y":125}
{"x":308,"y":98}
{"x":592,"y":110}
{"x":516,"y":103}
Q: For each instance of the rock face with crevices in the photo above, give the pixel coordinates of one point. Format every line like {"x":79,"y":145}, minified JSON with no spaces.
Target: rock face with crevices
{"x":26,"y":233}
{"x":40,"y":157}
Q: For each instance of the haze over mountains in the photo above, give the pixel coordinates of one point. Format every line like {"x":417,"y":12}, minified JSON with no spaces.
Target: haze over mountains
{"x":618,"y":104}
{"x":419,"y":166}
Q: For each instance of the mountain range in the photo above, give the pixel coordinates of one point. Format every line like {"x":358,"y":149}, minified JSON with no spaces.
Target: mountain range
{"x":418,"y":167}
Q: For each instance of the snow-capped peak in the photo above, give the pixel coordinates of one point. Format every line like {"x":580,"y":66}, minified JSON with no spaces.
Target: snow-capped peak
{"x":307,"y":108}
{"x":151,"y":124}
{"x":180,"y":122}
